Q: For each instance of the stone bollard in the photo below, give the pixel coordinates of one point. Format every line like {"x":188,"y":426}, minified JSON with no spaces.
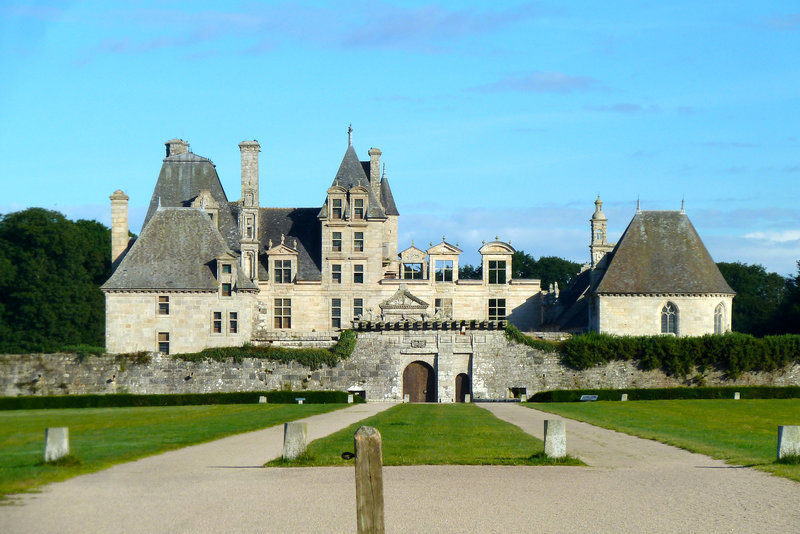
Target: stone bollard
{"x":369,"y":480}
{"x":624,"y":397}
{"x":788,"y":441}
{"x":406,"y":398}
{"x":56,"y":443}
{"x":262,"y":399}
{"x":736,"y":396}
{"x":294,"y":440}
{"x":555,"y":438}
{"x":467,"y":398}
{"x":350,"y":398}
{"x":523,"y":397}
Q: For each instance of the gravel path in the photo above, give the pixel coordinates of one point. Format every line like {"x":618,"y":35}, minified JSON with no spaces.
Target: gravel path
{"x":634,"y":486}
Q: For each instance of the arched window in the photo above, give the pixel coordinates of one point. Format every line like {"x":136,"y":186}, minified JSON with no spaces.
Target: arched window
{"x":669,"y":319}
{"x":719,"y":319}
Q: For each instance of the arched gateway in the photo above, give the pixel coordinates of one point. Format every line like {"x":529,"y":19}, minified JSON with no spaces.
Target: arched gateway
{"x":462,"y":386}
{"x":419,"y":382}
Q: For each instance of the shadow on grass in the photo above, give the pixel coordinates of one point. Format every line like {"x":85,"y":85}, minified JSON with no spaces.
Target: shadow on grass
{"x":308,"y":460}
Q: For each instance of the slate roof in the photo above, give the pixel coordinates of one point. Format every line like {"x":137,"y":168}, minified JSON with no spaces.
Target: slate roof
{"x":387,"y":199}
{"x":660,"y":252}
{"x":295,"y":223}
{"x":351,"y":174}
{"x":176,"y":250}
{"x":180,"y":181}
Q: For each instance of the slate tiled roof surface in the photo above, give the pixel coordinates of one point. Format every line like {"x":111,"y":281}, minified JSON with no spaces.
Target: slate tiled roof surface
{"x":387,"y":199}
{"x":294,"y":223}
{"x":176,"y":250}
{"x":351,"y":174}
{"x":660,"y":252}
{"x":180,"y":181}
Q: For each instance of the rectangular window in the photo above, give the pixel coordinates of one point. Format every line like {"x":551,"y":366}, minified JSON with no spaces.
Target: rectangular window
{"x":283,"y":313}
{"x":163,"y":305}
{"x":358,"y":208}
{"x":233,"y":322}
{"x":497,"y":309}
{"x":358,"y":241}
{"x":497,"y":272}
{"x":412,"y":271}
{"x":163,"y":342}
{"x":337,"y":208}
{"x":336,"y":242}
{"x":226,"y":268}
{"x":336,"y":274}
{"x":443,"y":307}
{"x":336,"y":313}
{"x":358,"y":274}
{"x":216,"y":323}
{"x":358,"y":307}
{"x":444,"y":270}
{"x":226,"y":290}
{"x":283,"y":271}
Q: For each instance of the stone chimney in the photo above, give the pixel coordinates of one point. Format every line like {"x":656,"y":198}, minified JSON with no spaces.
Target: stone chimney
{"x":119,"y":226}
{"x":177,"y":146}
{"x":375,"y":172}
{"x":248,"y":215}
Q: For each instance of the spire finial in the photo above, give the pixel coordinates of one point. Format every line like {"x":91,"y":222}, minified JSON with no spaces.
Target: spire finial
{"x":638,"y":206}
{"x":444,"y":239}
{"x":350,"y":135}
{"x":683,"y":205}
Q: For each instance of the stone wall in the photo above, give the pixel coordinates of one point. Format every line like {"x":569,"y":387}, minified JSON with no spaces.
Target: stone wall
{"x":493,"y":365}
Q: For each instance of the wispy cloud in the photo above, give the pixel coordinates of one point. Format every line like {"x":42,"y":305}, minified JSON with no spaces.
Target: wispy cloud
{"x":542,"y":82}
{"x":624,"y":107}
{"x":785,"y":22}
{"x":729,"y":144}
{"x":781,"y":236}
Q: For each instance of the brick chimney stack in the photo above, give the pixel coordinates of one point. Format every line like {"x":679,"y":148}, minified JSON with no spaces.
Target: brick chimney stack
{"x":119,"y":226}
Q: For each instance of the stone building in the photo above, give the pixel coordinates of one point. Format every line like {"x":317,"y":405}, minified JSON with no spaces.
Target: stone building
{"x":207,"y":271}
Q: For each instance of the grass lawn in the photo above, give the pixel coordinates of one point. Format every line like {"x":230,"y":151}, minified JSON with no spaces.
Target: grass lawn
{"x":434,"y":434}
{"x":743,"y":432}
{"x":102,"y":437}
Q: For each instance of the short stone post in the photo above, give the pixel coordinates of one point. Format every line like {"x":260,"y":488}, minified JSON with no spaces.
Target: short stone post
{"x":262,"y":399}
{"x":56,"y":443}
{"x":406,"y":398}
{"x":736,"y":395}
{"x":294,"y":440}
{"x":369,"y":480}
{"x":523,"y":397}
{"x":467,"y":398}
{"x":350,"y":398}
{"x":624,"y":397}
{"x":555,"y":438}
{"x":788,"y":441}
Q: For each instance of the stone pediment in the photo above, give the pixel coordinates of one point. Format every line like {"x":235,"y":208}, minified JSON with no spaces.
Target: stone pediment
{"x":282,"y":248}
{"x":496,"y":247}
{"x":444,"y":249}
{"x":412,"y":254}
{"x":359,"y":189}
{"x":403,"y":300}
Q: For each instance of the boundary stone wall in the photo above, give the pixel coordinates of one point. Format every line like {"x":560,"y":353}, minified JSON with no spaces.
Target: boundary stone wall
{"x":497,"y":370}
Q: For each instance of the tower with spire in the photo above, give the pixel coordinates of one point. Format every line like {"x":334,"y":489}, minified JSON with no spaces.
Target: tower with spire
{"x":599,"y":245}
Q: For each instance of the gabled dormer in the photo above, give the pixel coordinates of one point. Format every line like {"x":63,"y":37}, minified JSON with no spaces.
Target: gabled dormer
{"x":412,"y":264}
{"x":227,"y":274}
{"x":443,"y":261}
{"x":496,"y":262}
{"x":358,"y":204}
{"x":282,"y":260}
{"x":335,"y":206}
{"x":206,"y":202}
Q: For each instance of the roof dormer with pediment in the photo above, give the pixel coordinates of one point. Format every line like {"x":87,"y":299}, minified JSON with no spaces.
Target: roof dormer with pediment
{"x":412,"y":260}
{"x":350,"y":181}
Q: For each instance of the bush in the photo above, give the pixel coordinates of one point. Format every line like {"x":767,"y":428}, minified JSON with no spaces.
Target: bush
{"x":185,"y":399}
{"x":313,"y":358}
{"x":513,"y":334}
{"x":724,"y":392}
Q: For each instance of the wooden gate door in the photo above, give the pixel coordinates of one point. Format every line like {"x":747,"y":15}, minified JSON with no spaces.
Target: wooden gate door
{"x":462,"y":386}
{"x":419,"y":382}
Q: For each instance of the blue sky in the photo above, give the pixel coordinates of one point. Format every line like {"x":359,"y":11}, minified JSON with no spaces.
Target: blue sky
{"x":504,"y":120}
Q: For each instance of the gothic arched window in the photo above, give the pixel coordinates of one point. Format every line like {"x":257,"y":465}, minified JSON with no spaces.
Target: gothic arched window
{"x":719,"y":319}
{"x":669,"y":319}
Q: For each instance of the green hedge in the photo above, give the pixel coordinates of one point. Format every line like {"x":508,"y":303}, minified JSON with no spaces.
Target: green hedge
{"x":120,"y":400}
{"x":724,"y":392}
{"x":513,"y":334}
{"x":313,"y":358}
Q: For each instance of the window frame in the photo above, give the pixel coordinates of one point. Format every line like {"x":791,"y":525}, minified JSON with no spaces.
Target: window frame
{"x":358,"y":273}
{"x":336,"y":273}
{"x":358,"y":307}
{"x":336,"y":313}
{"x":233,"y":322}
{"x":443,"y":304}
{"x":336,"y":242}
{"x":719,"y":319}
{"x":216,"y":322}
{"x":408,"y":269}
{"x":497,"y":305}
{"x":441,"y":270}
{"x":226,"y":288}
{"x":358,"y":208}
{"x":496,"y":274}
{"x":282,"y":271}
{"x":162,"y":305}
{"x":162,"y":342}
{"x":358,"y":241}
{"x":337,"y":208}
{"x":282,"y":313}
{"x":670,"y":316}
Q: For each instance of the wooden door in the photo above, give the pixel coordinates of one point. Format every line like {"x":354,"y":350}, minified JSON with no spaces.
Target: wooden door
{"x":419,"y":382}
{"x":462,"y":387}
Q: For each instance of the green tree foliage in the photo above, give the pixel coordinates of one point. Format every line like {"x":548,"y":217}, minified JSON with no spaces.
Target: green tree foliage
{"x":548,"y":269}
{"x":50,"y":272}
{"x":468,"y":272}
{"x":789,"y":310}
{"x":758,"y":297}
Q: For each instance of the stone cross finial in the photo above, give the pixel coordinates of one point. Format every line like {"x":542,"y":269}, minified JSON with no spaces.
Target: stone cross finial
{"x":444,"y":239}
{"x":496,"y":238}
{"x":638,"y":206}
{"x":683,"y":206}
{"x":350,"y":135}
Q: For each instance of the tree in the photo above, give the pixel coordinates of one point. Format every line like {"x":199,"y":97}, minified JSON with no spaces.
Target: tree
{"x":468,"y":272}
{"x":50,"y":272}
{"x":758,"y":297}
{"x":548,"y":269}
{"x":789,"y":310}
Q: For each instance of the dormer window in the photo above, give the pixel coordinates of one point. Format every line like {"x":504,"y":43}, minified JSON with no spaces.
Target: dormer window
{"x":283,"y":271}
{"x":412,"y":271}
{"x":226,"y":268}
{"x":358,"y":208}
{"x":497,"y":272}
{"x":336,"y":208}
{"x":444,"y":270}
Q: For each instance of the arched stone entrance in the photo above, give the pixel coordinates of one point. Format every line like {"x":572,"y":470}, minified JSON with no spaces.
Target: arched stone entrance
{"x":419,"y":382}
{"x":462,"y":386}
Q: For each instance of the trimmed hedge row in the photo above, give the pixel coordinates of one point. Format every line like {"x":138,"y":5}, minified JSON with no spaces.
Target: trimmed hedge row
{"x":314,"y":358}
{"x":724,"y":392}
{"x":734,"y":353}
{"x":184,"y":399}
